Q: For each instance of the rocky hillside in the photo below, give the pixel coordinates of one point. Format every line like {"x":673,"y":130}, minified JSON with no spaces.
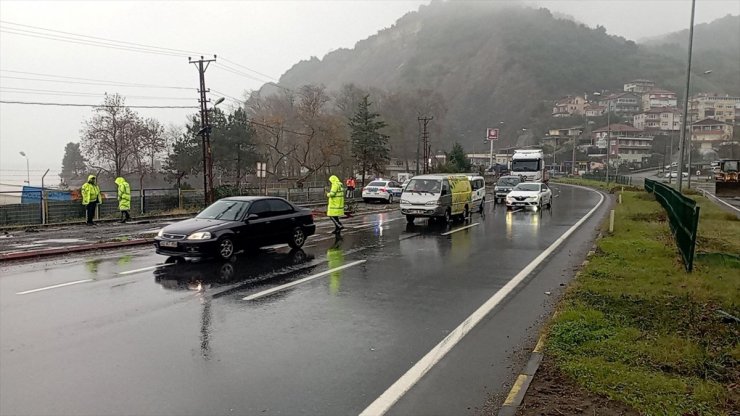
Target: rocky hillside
{"x":492,"y":63}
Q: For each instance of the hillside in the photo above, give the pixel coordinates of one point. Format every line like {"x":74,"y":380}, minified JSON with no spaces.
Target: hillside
{"x":491,"y":63}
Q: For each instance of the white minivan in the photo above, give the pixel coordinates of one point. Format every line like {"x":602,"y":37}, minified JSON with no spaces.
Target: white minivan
{"x":478,"y":198}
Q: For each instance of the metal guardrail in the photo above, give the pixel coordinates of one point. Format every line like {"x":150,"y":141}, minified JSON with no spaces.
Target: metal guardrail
{"x":618,"y":179}
{"x":683,"y":217}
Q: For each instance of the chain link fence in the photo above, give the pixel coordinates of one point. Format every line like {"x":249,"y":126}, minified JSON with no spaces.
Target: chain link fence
{"x":36,"y":207}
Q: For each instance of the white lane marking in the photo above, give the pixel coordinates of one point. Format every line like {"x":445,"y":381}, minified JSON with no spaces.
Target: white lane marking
{"x":383,"y":403}
{"x":54,"y":287}
{"x":460,"y":229}
{"x":408,"y":236}
{"x":709,"y":195}
{"x":299,"y":281}
{"x":143,"y":269}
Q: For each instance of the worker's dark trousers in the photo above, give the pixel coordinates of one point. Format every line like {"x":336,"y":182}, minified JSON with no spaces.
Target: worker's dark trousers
{"x":90,"y":211}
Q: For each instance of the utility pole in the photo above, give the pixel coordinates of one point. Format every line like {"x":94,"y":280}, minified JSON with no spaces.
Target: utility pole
{"x":670,"y":162}
{"x":425,"y":142}
{"x":205,"y":130}
{"x":608,"y":142}
{"x":682,"y":144}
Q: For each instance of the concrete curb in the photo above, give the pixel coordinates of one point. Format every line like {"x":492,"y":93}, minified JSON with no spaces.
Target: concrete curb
{"x":23,"y":255}
{"x":521,"y":385}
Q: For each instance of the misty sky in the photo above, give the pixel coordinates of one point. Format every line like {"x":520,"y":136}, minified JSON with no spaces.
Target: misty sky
{"x":264,"y":36}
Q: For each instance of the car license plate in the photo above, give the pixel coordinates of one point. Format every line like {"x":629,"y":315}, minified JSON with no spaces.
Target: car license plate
{"x":168,"y":243}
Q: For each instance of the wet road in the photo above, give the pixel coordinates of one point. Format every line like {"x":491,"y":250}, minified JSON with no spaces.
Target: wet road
{"x":326,"y":330}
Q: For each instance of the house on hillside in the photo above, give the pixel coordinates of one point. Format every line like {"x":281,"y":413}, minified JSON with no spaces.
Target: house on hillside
{"x":722,"y":108}
{"x":569,"y":106}
{"x":657,"y":98}
{"x":710,"y":133}
{"x":667,"y":119}
{"x":622,"y":104}
{"x":594,"y":110}
{"x":625,"y":143}
{"x":639,"y":86}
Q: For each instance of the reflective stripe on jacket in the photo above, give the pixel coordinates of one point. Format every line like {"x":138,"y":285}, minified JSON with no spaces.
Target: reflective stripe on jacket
{"x":335,"y":206}
{"x":90,"y":192}
{"x":124,"y":194}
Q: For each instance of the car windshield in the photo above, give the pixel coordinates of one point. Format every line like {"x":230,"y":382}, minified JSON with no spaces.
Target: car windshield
{"x":224,"y":209}
{"x":527,"y":187}
{"x":508,"y":181}
{"x":424,"y":185}
{"x":377,"y":183}
{"x":525,"y":165}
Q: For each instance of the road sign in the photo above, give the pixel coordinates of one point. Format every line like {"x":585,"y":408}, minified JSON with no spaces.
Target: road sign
{"x":491,"y":134}
{"x":261,"y":170}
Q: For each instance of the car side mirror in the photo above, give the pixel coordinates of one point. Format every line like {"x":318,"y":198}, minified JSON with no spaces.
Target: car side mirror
{"x":252,"y":217}
{"x":444,"y":192}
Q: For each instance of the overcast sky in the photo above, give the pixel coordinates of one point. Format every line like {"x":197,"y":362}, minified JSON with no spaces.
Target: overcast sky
{"x":264,"y":36}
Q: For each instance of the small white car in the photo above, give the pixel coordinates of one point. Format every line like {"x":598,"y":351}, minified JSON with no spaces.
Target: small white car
{"x":382,"y":190}
{"x":529,"y":194}
{"x":478,"y":197}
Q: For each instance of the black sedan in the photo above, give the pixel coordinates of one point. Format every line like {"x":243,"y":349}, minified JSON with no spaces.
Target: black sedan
{"x":231,"y":224}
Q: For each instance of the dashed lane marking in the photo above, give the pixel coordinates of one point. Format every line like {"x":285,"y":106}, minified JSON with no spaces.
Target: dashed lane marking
{"x":300,"y":281}
{"x":143,"y":269}
{"x":54,"y":286}
{"x":460,"y":229}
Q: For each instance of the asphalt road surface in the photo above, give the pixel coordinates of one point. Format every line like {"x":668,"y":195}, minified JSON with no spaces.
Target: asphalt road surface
{"x":391,"y":318}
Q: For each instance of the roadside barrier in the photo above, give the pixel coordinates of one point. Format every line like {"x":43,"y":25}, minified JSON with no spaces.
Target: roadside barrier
{"x":683,"y":217}
{"x":619,"y":179}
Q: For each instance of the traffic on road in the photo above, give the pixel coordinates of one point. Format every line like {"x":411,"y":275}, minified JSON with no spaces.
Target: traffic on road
{"x":339,"y":324}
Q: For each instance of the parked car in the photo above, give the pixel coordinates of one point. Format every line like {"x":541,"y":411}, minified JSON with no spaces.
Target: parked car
{"x":674,"y":174}
{"x":504,"y":185}
{"x":382,"y":190}
{"x":437,"y":196}
{"x":530,"y":194}
{"x":232,"y":224}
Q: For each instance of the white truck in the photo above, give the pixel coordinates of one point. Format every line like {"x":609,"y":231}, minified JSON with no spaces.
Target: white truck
{"x":529,"y":165}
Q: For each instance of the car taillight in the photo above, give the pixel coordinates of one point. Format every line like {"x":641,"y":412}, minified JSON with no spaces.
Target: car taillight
{"x":382,"y":189}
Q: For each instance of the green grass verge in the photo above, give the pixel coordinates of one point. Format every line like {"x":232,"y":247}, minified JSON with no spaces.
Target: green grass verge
{"x":637,"y":328}
{"x":613,"y":187}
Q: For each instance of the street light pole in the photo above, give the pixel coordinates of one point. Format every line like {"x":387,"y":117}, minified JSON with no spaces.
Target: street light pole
{"x":682,"y":144}
{"x":608,"y":142}
{"x":28,"y":171}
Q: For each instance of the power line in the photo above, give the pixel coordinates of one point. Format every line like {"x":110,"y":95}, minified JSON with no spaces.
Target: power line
{"x":104,"y":39}
{"x":237,"y":72}
{"x":84,"y":42}
{"x":82,"y":94}
{"x":92,"y":105}
{"x":249,"y":69}
{"x":240,"y":101}
{"x":97,"y":81}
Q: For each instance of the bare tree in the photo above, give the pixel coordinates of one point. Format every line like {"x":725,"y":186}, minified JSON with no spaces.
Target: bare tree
{"x":111,"y":137}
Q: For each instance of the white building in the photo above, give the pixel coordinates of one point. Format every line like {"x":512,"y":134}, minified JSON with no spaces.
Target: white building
{"x":658,"y":119}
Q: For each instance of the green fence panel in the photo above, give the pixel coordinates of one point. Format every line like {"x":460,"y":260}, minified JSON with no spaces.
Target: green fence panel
{"x":683,"y":217}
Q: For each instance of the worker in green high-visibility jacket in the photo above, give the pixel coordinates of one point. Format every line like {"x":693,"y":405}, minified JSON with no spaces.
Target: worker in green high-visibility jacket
{"x":124,"y":198}
{"x":90,"y":198}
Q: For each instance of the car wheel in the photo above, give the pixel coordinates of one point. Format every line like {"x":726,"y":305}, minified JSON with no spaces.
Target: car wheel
{"x":226,"y":248}
{"x":390,"y":199}
{"x":298,"y":238}
{"x":549,"y":203}
{"x":482,"y":205}
{"x":366,"y":200}
{"x":447,"y":217}
{"x":410,"y":219}
{"x":466,"y":213}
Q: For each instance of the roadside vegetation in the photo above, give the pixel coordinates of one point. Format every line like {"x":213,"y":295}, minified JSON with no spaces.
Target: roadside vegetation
{"x":612,"y":187}
{"x":637,"y":328}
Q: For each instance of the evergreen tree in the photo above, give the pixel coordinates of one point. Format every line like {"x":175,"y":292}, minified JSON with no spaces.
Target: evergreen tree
{"x":73,"y":163}
{"x":457,"y":160}
{"x":369,"y":146}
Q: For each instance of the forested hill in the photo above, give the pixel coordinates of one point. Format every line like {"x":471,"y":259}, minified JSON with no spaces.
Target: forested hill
{"x":490,"y":62}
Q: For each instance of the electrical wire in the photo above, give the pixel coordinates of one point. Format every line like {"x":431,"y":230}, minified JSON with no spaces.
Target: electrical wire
{"x":83,"y":94}
{"x":104,"y":39}
{"x":92,"y":105}
{"x":97,"y":81}
{"x":248,"y":68}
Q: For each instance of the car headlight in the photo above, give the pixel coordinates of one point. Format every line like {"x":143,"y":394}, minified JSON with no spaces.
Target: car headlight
{"x":403,"y":201}
{"x":432,"y":203}
{"x":160,"y":233}
{"x":199,"y":236}
{"x":495,"y":188}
